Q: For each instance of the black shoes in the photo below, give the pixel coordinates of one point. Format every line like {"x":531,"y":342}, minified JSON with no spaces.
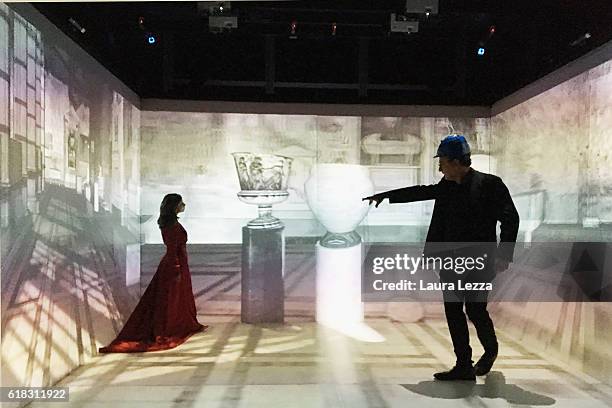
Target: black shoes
{"x":465,"y":372}
{"x":483,"y":366}
{"x":457,"y":373}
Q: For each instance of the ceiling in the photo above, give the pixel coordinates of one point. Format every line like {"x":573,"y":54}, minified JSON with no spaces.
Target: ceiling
{"x":362,"y":63}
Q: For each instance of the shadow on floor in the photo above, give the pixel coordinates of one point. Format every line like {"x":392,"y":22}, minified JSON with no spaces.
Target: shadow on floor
{"x":495,"y":386}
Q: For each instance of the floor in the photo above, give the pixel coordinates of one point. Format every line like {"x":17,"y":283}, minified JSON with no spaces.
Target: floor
{"x":302,"y":364}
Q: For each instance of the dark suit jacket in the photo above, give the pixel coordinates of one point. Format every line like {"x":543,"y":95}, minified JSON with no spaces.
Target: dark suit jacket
{"x":468,"y":215}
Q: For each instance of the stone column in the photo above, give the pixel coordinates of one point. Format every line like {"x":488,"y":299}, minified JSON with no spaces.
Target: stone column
{"x":263,"y":287}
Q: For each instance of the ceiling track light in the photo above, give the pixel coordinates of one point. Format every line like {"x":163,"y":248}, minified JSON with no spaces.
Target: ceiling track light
{"x":580,"y":40}
{"x":151,"y":38}
{"x":293,"y":30}
{"x":76,"y":25}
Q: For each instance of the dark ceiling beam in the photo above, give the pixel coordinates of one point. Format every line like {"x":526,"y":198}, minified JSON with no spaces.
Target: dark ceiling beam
{"x":270,"y":61}
{"x":362,"y":67}
{"x":168,"y":61}
{"x":314,"y":85}
{"x":154,"y":104}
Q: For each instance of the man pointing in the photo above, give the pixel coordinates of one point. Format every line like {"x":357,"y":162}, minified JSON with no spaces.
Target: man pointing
{"x":468,"y":205}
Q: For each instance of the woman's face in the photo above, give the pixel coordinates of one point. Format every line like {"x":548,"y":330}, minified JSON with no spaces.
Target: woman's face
{"x":180,"y":207}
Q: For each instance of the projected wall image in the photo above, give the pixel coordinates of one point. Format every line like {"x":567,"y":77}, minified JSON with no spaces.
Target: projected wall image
{"x":554,"y":152}
{"x":21,"y":119}
{"x":69,"y":205}
{"x":551,"y":150}
{"x":558,"y":142}
{"x":190,"y":153}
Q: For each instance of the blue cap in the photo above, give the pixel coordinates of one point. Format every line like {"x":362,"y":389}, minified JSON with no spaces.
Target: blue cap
{"x":453,"y":147}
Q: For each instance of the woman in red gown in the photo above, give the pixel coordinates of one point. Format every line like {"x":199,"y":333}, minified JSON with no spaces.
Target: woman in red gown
{"x":166,"y":314}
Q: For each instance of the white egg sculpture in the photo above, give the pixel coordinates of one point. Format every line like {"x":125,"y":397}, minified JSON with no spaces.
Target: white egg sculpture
{"x":334,"y":194}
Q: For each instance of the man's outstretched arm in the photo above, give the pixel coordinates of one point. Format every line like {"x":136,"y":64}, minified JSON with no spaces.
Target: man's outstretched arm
{"x":406,"y":194}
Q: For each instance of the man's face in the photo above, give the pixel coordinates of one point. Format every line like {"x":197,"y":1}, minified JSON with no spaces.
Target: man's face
{"x":448,"y":167}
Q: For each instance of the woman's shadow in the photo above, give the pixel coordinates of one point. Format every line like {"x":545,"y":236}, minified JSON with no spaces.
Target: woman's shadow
{"x":494,"y":387}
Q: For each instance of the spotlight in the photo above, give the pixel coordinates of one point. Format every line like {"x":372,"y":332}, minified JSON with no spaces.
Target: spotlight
{"x":151,"y":39}
{"x":76,"y":25}
{"x":481,"y":51}
{"x":215,"y":8}
{"x":334,"y":27}
{"x":293,"y":26}
{"x":580,"y":40}
{"x":141,"y":21}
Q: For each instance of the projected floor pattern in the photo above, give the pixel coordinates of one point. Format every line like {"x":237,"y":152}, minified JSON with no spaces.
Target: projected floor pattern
{"x":305,"y":365}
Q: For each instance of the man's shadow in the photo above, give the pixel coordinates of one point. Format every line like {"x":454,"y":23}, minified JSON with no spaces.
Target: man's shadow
{"x":494,"y":387}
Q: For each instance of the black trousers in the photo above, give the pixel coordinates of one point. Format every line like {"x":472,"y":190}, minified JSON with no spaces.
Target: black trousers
{"x":476,"y":309}
{"x":474,"y":302}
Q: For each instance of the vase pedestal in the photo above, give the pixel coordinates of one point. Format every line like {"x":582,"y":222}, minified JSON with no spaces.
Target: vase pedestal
{"x":339,"y":285}
{"x":338,"y":304}
{"x":263,"y":288}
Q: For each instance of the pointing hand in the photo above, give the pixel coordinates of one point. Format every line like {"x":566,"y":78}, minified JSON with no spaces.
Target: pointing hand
{"x":377,"y":198}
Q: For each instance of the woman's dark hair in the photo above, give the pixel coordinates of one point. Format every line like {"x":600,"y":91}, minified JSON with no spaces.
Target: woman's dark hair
{"x":167,"y":210}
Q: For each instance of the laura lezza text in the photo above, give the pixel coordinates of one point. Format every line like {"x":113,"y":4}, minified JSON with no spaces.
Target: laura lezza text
{"x":408,"y":285}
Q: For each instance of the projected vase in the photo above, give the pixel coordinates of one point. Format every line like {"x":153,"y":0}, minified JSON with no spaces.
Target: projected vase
{"x":263,"y":182}
{"x":334,"y":193}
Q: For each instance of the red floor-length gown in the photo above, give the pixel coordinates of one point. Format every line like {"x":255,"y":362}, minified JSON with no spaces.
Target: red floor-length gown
{"x":166,"y":314}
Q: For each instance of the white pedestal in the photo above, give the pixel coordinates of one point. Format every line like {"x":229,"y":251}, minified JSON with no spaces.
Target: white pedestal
{"x":339,"y":303}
